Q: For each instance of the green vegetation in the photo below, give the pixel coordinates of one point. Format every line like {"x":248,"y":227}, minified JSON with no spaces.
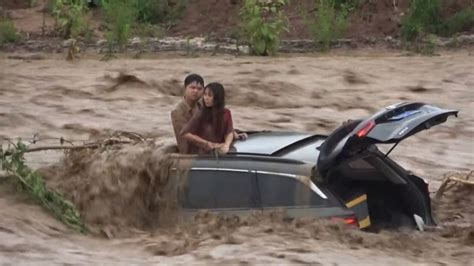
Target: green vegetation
{"x":461,"y":21}
{"x":12,"y":162}
{"x":348,"y":4}
{"x":423,"y":22}
{"x":8,"y":32}
{"x":423,"y":17}
{"x":140,"y":17}
{"x":159,"y":11}
{"x":263,"y":22}
{"x":329,"y":22}
{"x":70,"y":17}
{"x":119,"y":15}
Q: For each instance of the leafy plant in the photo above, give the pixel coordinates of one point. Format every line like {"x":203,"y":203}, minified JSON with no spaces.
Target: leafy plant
{"x":70,"y":17}
{"x":8,"y":32}
{"x":423,"y":17}
{"x":119,"y":15}
{"x":263,"y":22}
{"x":329,"y":22}
{"x":13,"y":162}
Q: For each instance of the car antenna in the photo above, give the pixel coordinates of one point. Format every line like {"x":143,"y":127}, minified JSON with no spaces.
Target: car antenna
{"x":391,"y":149}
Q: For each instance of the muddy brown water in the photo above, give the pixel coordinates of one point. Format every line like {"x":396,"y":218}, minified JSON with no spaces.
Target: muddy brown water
{"x":83,"y":99}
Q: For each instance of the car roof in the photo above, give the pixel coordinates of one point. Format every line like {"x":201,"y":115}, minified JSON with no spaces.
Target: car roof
{"x":268,"y":142}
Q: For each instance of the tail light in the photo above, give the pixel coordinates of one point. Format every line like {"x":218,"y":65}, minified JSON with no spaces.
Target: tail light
{"x":366,"y":129}
{"x":352,"y":220}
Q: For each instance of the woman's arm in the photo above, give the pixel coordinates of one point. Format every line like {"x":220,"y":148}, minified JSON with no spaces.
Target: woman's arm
{"x":229,"y":132}
{"x":227,"y":142}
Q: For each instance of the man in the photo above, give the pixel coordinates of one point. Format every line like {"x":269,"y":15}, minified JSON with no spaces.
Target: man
{"x":187,"y":107}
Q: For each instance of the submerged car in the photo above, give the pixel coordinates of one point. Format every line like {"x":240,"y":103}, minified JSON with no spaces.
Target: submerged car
{"x":341,"y":176}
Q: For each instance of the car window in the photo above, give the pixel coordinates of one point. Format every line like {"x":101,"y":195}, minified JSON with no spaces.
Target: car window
{"x":278,"y":190}
{"x":220,"y":189}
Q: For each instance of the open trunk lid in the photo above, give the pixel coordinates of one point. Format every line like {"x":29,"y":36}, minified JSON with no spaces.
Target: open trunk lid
{"x":390,"y":125}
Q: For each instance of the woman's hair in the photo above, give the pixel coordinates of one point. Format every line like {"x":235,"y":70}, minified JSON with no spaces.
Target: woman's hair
{"x":215,"y":114}
{"x":219,"y":94}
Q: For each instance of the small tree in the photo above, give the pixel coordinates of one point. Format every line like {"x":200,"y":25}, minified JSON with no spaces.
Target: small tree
{"x":263,"y":22}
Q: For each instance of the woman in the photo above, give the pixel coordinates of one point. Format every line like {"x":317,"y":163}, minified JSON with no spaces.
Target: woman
{"x":211,"y":127}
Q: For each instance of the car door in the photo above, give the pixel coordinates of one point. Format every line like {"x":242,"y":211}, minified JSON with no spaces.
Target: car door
{"x":297,"y":198}
{"x":221,"y":190}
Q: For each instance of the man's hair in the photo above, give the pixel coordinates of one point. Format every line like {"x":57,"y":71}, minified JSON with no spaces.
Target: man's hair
{"x":193,"y":78}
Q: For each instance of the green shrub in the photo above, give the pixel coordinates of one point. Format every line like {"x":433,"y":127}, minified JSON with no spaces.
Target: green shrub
{"x":329,"y":22}
{"x":262,"y":24}
{"x":459,"y":22}
{"x":8,"y":32}
{"x":119,"y":15}
{"x":423,"y":17}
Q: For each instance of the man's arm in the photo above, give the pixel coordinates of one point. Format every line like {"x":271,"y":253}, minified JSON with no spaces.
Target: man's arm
{"x":178,"y":120}
{"x":240,"y":136}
